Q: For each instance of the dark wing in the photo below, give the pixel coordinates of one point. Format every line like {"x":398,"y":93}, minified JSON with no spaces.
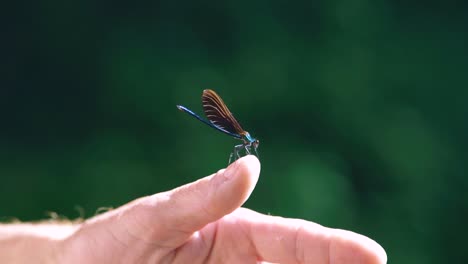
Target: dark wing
{"x":218,"y":114}
{"x":190,"y":112}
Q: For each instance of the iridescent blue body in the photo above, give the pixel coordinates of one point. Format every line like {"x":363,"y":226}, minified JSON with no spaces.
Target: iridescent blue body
{"x":220,"y":118}
{"x":248,"y":138}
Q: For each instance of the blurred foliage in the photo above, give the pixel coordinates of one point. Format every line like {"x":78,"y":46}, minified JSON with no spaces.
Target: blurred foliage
{"x":360,"y":107}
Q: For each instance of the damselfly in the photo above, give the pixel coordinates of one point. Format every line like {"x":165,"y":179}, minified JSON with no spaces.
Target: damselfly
{"x":220,"y":118}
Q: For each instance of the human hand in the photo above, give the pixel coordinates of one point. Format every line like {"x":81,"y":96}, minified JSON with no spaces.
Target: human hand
{"x":202,"y":222}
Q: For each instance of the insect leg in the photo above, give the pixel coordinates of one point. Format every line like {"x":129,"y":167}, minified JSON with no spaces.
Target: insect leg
{"x":255,"y":150}
{"x":235,"y":153}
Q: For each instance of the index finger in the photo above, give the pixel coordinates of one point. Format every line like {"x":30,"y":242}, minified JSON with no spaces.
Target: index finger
{"x":283,"y":240}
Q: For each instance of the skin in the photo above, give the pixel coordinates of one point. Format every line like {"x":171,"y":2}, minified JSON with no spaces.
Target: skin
{"x":201,"y":222}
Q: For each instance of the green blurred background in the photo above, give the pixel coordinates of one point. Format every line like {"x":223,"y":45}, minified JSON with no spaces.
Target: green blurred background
{"x":359,"y":107}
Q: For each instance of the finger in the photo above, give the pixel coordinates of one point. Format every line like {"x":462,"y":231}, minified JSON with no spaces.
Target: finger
{"x":173,"y":216}
{"x":282,"y":240}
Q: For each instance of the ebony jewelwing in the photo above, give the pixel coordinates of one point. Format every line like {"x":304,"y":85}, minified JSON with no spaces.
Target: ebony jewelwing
{"x":220,"y":118}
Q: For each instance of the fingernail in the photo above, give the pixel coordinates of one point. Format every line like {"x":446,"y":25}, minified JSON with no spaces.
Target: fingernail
{"x":230,"y":171}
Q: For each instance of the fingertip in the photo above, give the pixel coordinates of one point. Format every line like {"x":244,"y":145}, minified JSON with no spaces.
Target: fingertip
{"x":378,"y":252}
{"x":249,"y":165}
{"x":253,"y":163}
{"x":365,"y":249}
{"x":375,"y":252}
{"x":234,"y":185}
{"x":247,"y":168}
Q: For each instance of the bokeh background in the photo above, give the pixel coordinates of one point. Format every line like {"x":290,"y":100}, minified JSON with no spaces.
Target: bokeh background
{"x":360,"y":107}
